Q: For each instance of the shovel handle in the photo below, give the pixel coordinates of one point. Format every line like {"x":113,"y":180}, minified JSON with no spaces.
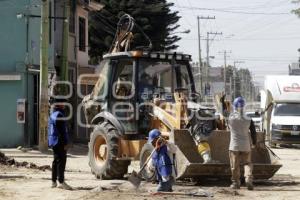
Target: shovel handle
{"x":272,"y":152}
{"x":193,"y":194}
{"x":148,"y":159}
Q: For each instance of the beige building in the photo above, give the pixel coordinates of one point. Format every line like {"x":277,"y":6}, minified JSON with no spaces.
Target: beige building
{"x":78,"y":48}
{"x":78,"y":36}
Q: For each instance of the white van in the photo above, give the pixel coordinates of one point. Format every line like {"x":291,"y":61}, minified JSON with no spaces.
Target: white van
{"x":281,"y":104}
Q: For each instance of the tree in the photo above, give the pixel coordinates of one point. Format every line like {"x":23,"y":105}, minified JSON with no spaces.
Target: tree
{"x":153,"y":16}
{"x":296,"y":11}
{"x":245,"y":83}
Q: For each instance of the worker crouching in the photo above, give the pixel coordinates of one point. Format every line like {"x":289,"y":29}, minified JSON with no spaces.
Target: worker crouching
{"x":162,"y":161}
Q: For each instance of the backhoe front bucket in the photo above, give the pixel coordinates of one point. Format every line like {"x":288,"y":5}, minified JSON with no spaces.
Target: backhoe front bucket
{"x":189,"y":163}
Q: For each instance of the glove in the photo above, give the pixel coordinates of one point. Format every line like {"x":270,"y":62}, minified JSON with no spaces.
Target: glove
{"x":160,"y":142}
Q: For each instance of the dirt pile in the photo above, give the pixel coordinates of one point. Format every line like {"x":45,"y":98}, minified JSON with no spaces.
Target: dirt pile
{"x":4,"y":160}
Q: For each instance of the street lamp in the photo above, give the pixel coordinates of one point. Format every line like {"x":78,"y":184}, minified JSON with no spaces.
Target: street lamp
{"x":22,"y":15}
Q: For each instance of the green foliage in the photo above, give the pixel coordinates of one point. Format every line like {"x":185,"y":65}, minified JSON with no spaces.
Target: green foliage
{"x":153,"y":16}
{"x":296,"y":11}
{"x":241,"y":81}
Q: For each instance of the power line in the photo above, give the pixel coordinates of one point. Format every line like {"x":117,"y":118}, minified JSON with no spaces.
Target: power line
{"x":277,"y":4}
{"x":273,"y":24}
{"x":261,"y":60}
{"x":232,"y":11}
{"x":185,"y":19}
{"x":191,"y":6}
{"x":269,"y":58}
{"x":249,"y":39}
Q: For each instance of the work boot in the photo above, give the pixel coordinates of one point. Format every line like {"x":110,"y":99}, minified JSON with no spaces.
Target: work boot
{"x":54,"y":184}
{"x":165,"y":186}
{"x":64,"y":186}
{"x":235,"y":186}
{"x":249,"y":185}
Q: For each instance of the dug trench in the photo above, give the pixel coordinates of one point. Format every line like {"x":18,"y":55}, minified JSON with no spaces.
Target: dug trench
{"x":4,"y":160}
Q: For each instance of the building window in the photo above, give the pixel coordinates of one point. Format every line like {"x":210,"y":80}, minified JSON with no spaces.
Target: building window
{"x":82,"y":35}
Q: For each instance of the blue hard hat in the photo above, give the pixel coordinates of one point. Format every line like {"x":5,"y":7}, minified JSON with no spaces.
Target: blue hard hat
{"x":239,"y":102}
{"x":153,"y":134}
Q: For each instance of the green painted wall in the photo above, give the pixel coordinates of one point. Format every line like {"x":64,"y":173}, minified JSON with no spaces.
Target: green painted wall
{"x":16,"y":37}
{"x":11,"y":133}
{"x":13,"y":43}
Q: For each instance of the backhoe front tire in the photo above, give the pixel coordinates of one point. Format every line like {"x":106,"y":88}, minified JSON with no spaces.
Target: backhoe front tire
{"x":103,"y":151}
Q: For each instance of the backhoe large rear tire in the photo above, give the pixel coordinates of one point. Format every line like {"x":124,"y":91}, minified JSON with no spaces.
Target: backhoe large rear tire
{"x":145,"y":153}
{"x":103,"y":151}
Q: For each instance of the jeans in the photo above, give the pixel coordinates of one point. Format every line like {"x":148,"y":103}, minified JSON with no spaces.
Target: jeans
{"x":236,"y":159}
{"x":59,"y":163}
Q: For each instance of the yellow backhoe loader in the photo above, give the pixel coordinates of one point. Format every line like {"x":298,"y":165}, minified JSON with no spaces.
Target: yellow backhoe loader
{"x":139,"y":90}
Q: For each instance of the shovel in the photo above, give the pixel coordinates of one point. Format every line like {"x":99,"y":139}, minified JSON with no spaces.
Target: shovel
{"x":272,"y":152}
{"x":135,"y":178}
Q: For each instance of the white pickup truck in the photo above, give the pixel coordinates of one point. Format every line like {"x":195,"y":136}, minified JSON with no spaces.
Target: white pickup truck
{"x":280,"y":101}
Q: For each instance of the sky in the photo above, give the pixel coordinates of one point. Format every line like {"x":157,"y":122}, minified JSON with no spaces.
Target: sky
{"x":263,"y":34}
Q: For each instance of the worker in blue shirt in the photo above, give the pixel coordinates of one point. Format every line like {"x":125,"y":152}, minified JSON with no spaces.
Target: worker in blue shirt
{"x":162,"y":161}
{"x":58,"y":140}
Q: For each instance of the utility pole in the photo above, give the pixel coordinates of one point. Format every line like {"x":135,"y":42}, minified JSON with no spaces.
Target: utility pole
{"x":65,"y":45}
{"x":43,"y":99}
{"x":207,"y":54}
{"x":225,"y":52}
{"x":199,"y":50}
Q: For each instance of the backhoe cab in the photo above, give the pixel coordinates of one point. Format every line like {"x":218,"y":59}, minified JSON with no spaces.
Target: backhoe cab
{"x":138,"y":91}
